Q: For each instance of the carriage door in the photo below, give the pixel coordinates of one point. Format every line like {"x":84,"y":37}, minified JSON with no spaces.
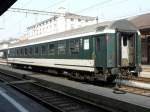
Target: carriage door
{"x":127,"y":49}
{"x":100,"y":45}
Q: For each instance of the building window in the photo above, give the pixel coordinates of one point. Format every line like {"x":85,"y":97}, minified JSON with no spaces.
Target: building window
{"x":55,"y":18}
{"x":51,"y":49}
{"x":72,"y":19}
{"x":79,"y":26}
{"x":79,"y":20}
{"x":74,"y":47}
{"x":72,"y":26}
{"x":61,"y":48}
{"x":55,"y":27}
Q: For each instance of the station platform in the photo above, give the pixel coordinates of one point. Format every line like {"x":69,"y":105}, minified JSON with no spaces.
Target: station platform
{"x":145,"y":71}
{"x":13,"y":101}
{"x":126,"y":102}
{"x":145,"y":74}
{"x":3,"y":61}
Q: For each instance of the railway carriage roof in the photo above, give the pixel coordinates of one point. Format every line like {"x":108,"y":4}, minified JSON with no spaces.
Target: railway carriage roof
{"x":96,"y":28}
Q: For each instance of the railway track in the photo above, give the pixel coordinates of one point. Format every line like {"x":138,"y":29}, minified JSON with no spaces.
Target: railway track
{"x":143,"y":79}
{"x":55,"y":100}
{"x":135,"y":90}
{"x":140,"y":85}
{"x":127,"y":88}
{"x":140,"y":79}
{"x":8,"y":77}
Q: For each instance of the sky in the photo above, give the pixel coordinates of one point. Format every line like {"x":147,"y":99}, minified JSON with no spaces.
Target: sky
{"x":14,"y":24}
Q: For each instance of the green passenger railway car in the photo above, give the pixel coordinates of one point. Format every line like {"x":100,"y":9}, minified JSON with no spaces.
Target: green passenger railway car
{"x":100,"y":51}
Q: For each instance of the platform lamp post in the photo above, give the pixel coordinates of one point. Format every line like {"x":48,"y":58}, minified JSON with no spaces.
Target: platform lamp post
{"x":97,"y":19}
{"x":7,"y":54}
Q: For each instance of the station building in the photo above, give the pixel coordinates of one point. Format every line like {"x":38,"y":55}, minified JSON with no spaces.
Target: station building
{"x":143,"y":24}
{"x":64,"y":21}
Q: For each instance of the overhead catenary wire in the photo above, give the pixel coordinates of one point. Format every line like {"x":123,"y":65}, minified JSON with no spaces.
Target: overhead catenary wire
{"x":31,"y":11}
{"x":4,"y":18}
{"x":23,"y":5}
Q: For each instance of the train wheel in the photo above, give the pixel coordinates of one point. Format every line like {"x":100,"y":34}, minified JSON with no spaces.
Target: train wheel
{"x":111,"y":78}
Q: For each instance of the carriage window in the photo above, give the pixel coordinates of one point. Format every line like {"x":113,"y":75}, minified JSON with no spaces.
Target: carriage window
{"x":11,"y":52}
{"x":17,"y":51}
{"x":125,"y":39}
{"x":44,"y":49}
{"x":21,"y":51}
{"x":51,"y":49}
{"x":74,"y":46}
{"x":98,"y":44}
{"x":30,"y":51}
{"x":14,"y":52}
{"x":36,"y":50}
{"x":25,"y":51}
{"x":61,"y":48}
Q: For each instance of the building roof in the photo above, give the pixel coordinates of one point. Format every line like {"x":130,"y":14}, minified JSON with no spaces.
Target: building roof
{"x":5,"y":4}
{"x":142,"y":21}
{"x":66,"y":15}
{"x":72,"y":15}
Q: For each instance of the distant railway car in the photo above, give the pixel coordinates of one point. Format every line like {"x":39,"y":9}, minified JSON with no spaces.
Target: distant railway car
{"x":97,"y":51}
{"x":3,"y":53}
